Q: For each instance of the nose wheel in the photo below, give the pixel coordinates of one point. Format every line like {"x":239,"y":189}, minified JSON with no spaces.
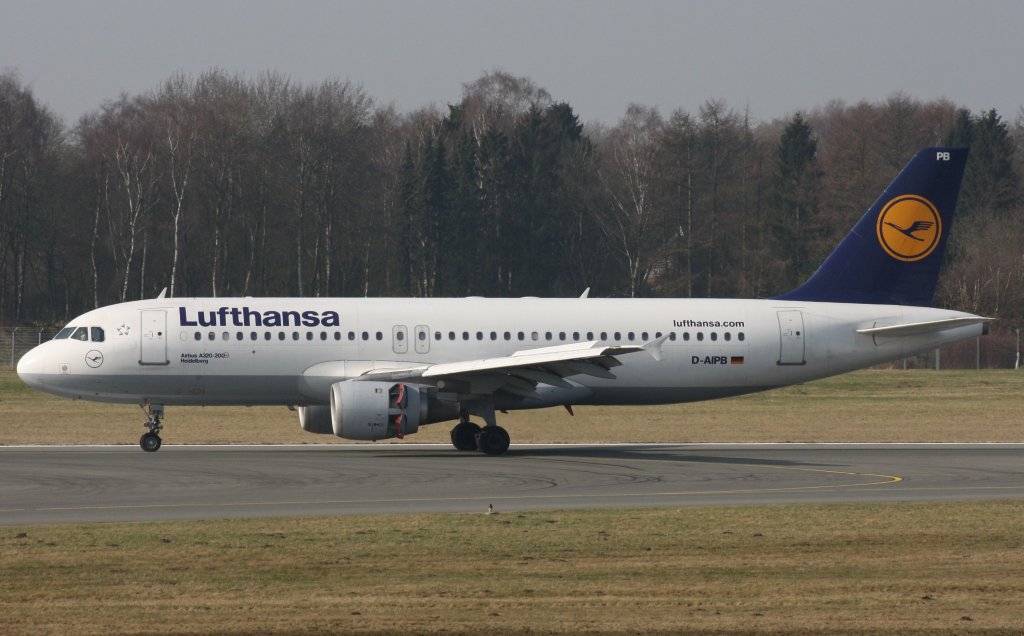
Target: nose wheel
{"x":150,"y":442}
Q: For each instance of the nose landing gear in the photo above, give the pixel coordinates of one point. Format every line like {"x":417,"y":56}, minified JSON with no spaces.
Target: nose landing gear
{"x":150,"y":442}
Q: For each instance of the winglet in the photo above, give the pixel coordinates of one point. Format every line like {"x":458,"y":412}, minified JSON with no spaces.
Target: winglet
{"x":654,"y":347}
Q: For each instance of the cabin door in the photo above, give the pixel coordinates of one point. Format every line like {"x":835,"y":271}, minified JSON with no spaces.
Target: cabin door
{"x":791,"y":335}
{"x":153,"y":334}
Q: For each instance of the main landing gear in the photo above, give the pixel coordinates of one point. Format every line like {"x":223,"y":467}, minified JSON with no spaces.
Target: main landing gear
{"x":491,"y":439}
{"x":150,"y":442}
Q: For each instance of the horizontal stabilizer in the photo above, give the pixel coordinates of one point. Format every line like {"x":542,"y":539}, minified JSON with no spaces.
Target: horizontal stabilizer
{"x":922,"y":328}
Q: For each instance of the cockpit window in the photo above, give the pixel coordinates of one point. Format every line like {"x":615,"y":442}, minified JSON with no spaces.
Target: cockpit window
{"x":64,"y":333}
{"x":82,"y":333}
{"x":97,"y":334}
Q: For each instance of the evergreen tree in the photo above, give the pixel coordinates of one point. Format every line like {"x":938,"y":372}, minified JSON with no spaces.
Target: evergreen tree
{"x":794,"y":223}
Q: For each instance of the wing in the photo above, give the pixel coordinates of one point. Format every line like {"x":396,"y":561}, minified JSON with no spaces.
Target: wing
{"x":521,"y":372}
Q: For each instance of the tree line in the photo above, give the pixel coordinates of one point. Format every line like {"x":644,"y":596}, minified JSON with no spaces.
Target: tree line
{"x":223,"y":185}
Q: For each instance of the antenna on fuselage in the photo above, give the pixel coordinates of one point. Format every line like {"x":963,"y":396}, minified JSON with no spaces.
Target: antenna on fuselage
{"x":586,"y":293}
{"x":163,"y":292}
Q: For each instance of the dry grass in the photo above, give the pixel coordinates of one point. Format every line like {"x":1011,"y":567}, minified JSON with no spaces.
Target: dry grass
{"x":899,"y":568}
{"x":880,"y":406}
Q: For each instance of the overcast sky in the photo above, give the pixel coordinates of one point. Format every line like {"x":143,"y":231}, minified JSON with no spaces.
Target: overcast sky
{"x":773,"y":56}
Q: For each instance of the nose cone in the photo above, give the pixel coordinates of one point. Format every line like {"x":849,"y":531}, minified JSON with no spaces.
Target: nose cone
{"x":31,"y":368}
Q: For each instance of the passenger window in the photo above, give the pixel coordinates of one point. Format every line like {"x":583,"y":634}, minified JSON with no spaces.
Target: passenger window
{"x":225,"y":336}
{"x":547,"y":335}
{"x":686,"y":336}
{"x":211,"y":336}
{"x":337,"y":336}
{"x":366,"y":335}
{"x":380,"y":336}
{"x":576,"y":336}
{"x":714,"y":336}
{"x":534,"y":336}
{"x":479,"y":335}
{"x":740,"y":336}
{"x":253,"y":336}
{"x":618,"y":336}
{"x":198,"y":336}
{"x":728,"y":336}
{"x":64,"y":333}
{"x":604,"y":335}
{"x":97,"y":334}
{"x":494,"y":335}
{"x":280,"y":335}
{"x":309,"y":335}
{"x":643,"y":336}
{"x":351,"y":335}
{"x":400,"y":335}
{"x":657,"y":335}
{"x":422,"y":335}
{"x":561,"y":335}
{"x":631,"y":336}
{"x":451,"y":335}
{"x":81,"y":333}
{"x":295,"y":335}
{"x":590,"y":335}
{"x":521,"y":336}
{"x":465,"y":335}
{"x":239,"y":336}
{"x":266,"y":335}
{"x":700,"y":336}
{"x":508,"y":336}
{"x":437,"y":335}
{"x":672,"y":336}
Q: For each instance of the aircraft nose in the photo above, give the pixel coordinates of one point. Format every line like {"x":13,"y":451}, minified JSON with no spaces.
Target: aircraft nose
{"x":31,"y":368}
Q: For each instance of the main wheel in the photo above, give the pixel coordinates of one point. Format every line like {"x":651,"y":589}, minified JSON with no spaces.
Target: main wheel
{"x":464,"y":436}
{"x":492,"y":440}
{"x":150,"y":442}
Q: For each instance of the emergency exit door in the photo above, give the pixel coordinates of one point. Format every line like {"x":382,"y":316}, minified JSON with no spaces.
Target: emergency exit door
{"x":153,"y":346}
{"x":791,"y":337}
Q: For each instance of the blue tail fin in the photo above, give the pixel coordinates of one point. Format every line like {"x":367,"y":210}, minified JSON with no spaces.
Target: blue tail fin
{"x":892,"y":256}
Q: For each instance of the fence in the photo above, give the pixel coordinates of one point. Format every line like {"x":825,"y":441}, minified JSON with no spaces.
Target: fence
{"x":994,"y":351}
{"x":16,"y":341}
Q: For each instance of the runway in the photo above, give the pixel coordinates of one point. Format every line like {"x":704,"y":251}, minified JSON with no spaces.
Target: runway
{"x":96,"y":484}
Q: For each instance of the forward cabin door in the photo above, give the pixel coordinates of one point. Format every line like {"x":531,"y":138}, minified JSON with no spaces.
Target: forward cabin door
{"x":791,"y":335}
{"x":153,"y":334}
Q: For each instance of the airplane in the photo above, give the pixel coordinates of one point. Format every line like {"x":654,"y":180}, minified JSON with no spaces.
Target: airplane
{"x":379,"y":368}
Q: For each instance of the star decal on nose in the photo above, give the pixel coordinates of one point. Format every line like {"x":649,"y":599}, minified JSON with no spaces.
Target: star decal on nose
{"x":124,"y":330}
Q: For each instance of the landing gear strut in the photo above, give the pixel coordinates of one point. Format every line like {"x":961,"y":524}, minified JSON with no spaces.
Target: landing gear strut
{"x":150,"y":442}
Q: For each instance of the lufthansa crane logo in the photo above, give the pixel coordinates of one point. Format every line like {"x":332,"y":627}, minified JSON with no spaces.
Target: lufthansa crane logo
{"x":909,"y":228}
{"x":94,"y":359}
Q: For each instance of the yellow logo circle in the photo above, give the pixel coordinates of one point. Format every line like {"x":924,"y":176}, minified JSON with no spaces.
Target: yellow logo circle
{"x":909,"y":228}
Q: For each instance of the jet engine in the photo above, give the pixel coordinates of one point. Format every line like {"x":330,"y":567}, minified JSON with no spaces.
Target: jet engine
{"x":369,"y":410}
{"x":316,"y":419}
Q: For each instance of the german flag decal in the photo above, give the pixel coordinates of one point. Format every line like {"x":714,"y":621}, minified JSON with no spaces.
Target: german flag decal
{"x":736,"y":360}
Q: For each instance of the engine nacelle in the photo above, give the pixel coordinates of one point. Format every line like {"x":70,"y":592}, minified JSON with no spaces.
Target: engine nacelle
{"x":369,"y":410}
{"x":315,"y":419}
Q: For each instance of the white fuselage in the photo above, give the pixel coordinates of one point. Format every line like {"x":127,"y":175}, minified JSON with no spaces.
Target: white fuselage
{"x":193,"y":352}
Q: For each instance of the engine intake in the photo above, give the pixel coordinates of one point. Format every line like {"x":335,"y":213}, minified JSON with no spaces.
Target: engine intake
{"x":369,"y":410}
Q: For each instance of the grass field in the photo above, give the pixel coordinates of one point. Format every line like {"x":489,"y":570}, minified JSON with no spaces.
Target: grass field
{"x":882,"y":406}
{"x":933,"y":568}
{"x":896,"y":568}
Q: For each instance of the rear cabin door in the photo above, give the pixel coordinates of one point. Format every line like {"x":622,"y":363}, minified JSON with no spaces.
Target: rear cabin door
{"x":791,"y":334}
{"x":153,"y":346}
